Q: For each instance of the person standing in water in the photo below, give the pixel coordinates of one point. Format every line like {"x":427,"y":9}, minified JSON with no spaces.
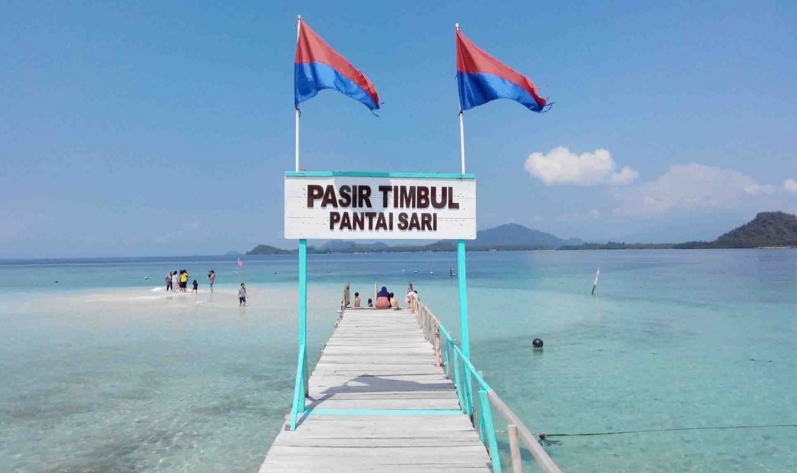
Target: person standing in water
{"x":195,"y":287}
{"x":211,"y":279}
{"x":242,"y":295}
{"x":169,"y":282}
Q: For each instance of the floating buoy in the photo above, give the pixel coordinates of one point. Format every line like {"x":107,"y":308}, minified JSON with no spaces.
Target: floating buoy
{"x":537,"y":344}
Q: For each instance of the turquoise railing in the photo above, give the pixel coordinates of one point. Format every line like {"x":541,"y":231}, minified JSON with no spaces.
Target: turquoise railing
{"x":457,"y":366}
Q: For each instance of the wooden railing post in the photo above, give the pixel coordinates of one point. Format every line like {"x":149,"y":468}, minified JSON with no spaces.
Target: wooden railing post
{"x":514,"y":448}
{"x":544,"y":461}
{"x":447,"y":355}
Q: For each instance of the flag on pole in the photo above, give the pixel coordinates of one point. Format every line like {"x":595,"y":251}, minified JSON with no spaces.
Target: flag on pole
{"x":317,"y":66}
{"x":482,"y":78}
{"x":240,"y":263}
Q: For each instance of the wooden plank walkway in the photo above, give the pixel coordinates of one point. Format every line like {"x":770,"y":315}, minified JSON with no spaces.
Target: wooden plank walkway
{"x":378,"y":403}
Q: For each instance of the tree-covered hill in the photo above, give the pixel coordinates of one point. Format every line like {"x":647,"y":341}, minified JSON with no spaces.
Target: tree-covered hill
{"x":766,"y":229}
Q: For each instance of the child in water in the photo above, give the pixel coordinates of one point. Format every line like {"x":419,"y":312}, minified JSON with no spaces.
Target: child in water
{"x":196,"y":285}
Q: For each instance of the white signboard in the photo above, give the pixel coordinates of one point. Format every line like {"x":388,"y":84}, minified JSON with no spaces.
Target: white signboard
{"x":333,"y":206}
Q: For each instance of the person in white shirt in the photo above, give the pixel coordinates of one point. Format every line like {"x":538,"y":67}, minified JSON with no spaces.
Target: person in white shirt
{"x":410,"y":296}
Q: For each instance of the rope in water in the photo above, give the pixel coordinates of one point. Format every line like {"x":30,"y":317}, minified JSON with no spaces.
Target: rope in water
{"x":675,"y":429}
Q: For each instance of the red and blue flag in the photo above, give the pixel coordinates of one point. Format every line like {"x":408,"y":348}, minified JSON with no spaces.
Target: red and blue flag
{"x":482,"y":78}
{"x":318,"y":66}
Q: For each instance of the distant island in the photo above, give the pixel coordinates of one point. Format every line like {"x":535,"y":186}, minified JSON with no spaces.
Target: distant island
{"x":268,"y":250}
{"x":766,"y":230}
{"x":508,"y":237}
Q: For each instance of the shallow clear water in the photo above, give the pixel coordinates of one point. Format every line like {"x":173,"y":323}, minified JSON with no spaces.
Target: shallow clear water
{"x":102,"y":373}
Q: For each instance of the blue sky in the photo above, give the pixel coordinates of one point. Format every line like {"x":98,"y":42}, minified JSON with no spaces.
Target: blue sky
{"x":164,"y":128}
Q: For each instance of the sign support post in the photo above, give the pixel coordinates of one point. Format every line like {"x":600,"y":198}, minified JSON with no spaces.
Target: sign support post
{"x":463,"y":298}
{"x":303,"y":309}
{"x":461,"y":267}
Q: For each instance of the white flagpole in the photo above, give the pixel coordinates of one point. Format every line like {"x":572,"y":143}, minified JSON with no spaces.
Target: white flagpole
{"x":298,"y":29}
{"x":464,"y":330}
{"x":461,"y":131}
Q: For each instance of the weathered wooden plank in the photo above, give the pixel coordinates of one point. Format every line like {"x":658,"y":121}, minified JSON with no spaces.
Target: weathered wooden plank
{"x":354,"y":395}
{"x":459,"y":438}
{"x":291,"y":468}
{"x":364,"y":403}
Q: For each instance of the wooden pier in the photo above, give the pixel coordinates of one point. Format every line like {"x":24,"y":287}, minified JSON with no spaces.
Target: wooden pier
{"x":392,"y":392}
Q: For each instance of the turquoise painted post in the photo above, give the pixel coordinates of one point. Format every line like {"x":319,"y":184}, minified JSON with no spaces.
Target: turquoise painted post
{"x":489,"y":428}
{"x":305,"y":375}
{"x":468,"y":393}
{"x":303,"y":311}
{"x":481,"y":424}
{"x":463,"y":298}
{"x":458,"y":383}
{"x":300,"y":389}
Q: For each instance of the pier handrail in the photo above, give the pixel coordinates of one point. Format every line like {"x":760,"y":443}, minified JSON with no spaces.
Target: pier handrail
{"x":451,"y":357}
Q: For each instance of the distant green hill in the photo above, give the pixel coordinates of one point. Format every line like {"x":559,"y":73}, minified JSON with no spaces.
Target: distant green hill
{"x":766,"y":229}
{"x":267,"y":250}
{"x":352,"y":246}
{"x":514,"y":235}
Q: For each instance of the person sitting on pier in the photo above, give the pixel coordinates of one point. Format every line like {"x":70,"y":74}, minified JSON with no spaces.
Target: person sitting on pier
{"x":411,"y":296}
{"x":357,"y":300}
{"x":394,"y":301}
{"x":383,"y":299}
{"x":370,"y":303}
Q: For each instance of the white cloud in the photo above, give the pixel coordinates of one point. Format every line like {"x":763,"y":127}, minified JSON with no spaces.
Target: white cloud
{"x":593,"y":214}
{"x":691,"y":186}
{"x":560,"y":166}
{"x":790,"y":186}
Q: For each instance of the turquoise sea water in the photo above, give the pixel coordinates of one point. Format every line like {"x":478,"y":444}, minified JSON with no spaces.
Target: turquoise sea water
{"x":102,"y":373}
